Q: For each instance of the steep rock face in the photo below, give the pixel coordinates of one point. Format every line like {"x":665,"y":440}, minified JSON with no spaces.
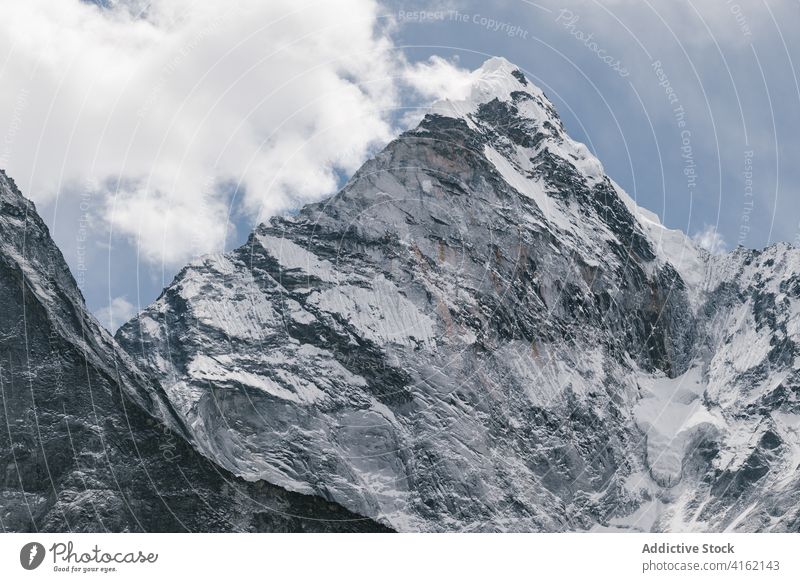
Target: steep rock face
{"x":742,"y":467}
{"x":89,"y":443}
{"x":481,"y":331}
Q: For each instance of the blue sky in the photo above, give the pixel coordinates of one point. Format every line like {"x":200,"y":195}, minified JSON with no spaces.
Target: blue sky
{"x":149,"y":133}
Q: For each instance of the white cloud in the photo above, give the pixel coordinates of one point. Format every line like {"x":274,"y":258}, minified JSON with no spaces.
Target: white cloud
{"x":438,"y":78}
{"x":173,"y":108}
{"x":118,"y":312}
{"x":710,"y":240}
{"x":435,"y":79}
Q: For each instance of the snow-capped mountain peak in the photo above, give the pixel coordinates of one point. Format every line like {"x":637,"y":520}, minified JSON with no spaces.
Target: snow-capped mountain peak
{"x":482,"y":331}
{"x":528,"y":133}
{"x":497,"y":79}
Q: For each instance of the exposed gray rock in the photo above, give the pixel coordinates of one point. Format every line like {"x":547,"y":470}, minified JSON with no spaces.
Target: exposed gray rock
{"x":88,"y":443}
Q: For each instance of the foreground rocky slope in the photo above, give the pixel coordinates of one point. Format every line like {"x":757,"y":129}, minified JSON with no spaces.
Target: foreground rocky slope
{"x":87,"y":442}
{"x":481,"y":331}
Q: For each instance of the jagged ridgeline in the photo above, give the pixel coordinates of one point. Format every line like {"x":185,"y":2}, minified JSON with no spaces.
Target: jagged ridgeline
{"x":482,"y":332}
{"x":88,"y":443}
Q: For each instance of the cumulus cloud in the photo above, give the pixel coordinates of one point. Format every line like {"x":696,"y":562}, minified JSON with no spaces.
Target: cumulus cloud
{"x":115,"y":313}
{"x":178,"y":114}
{"x":711,"y":240}
{"x":435,"y":79}
{"x":438,"y":78}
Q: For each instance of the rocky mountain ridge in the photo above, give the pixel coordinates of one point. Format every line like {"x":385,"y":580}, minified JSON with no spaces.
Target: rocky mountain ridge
{"x":88,"y":442}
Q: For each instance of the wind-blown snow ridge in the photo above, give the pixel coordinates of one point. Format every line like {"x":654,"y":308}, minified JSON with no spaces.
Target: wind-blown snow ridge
{"x":497,"y":78}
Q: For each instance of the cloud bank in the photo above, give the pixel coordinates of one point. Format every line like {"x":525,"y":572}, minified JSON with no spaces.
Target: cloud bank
{"x":178,"y":116}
